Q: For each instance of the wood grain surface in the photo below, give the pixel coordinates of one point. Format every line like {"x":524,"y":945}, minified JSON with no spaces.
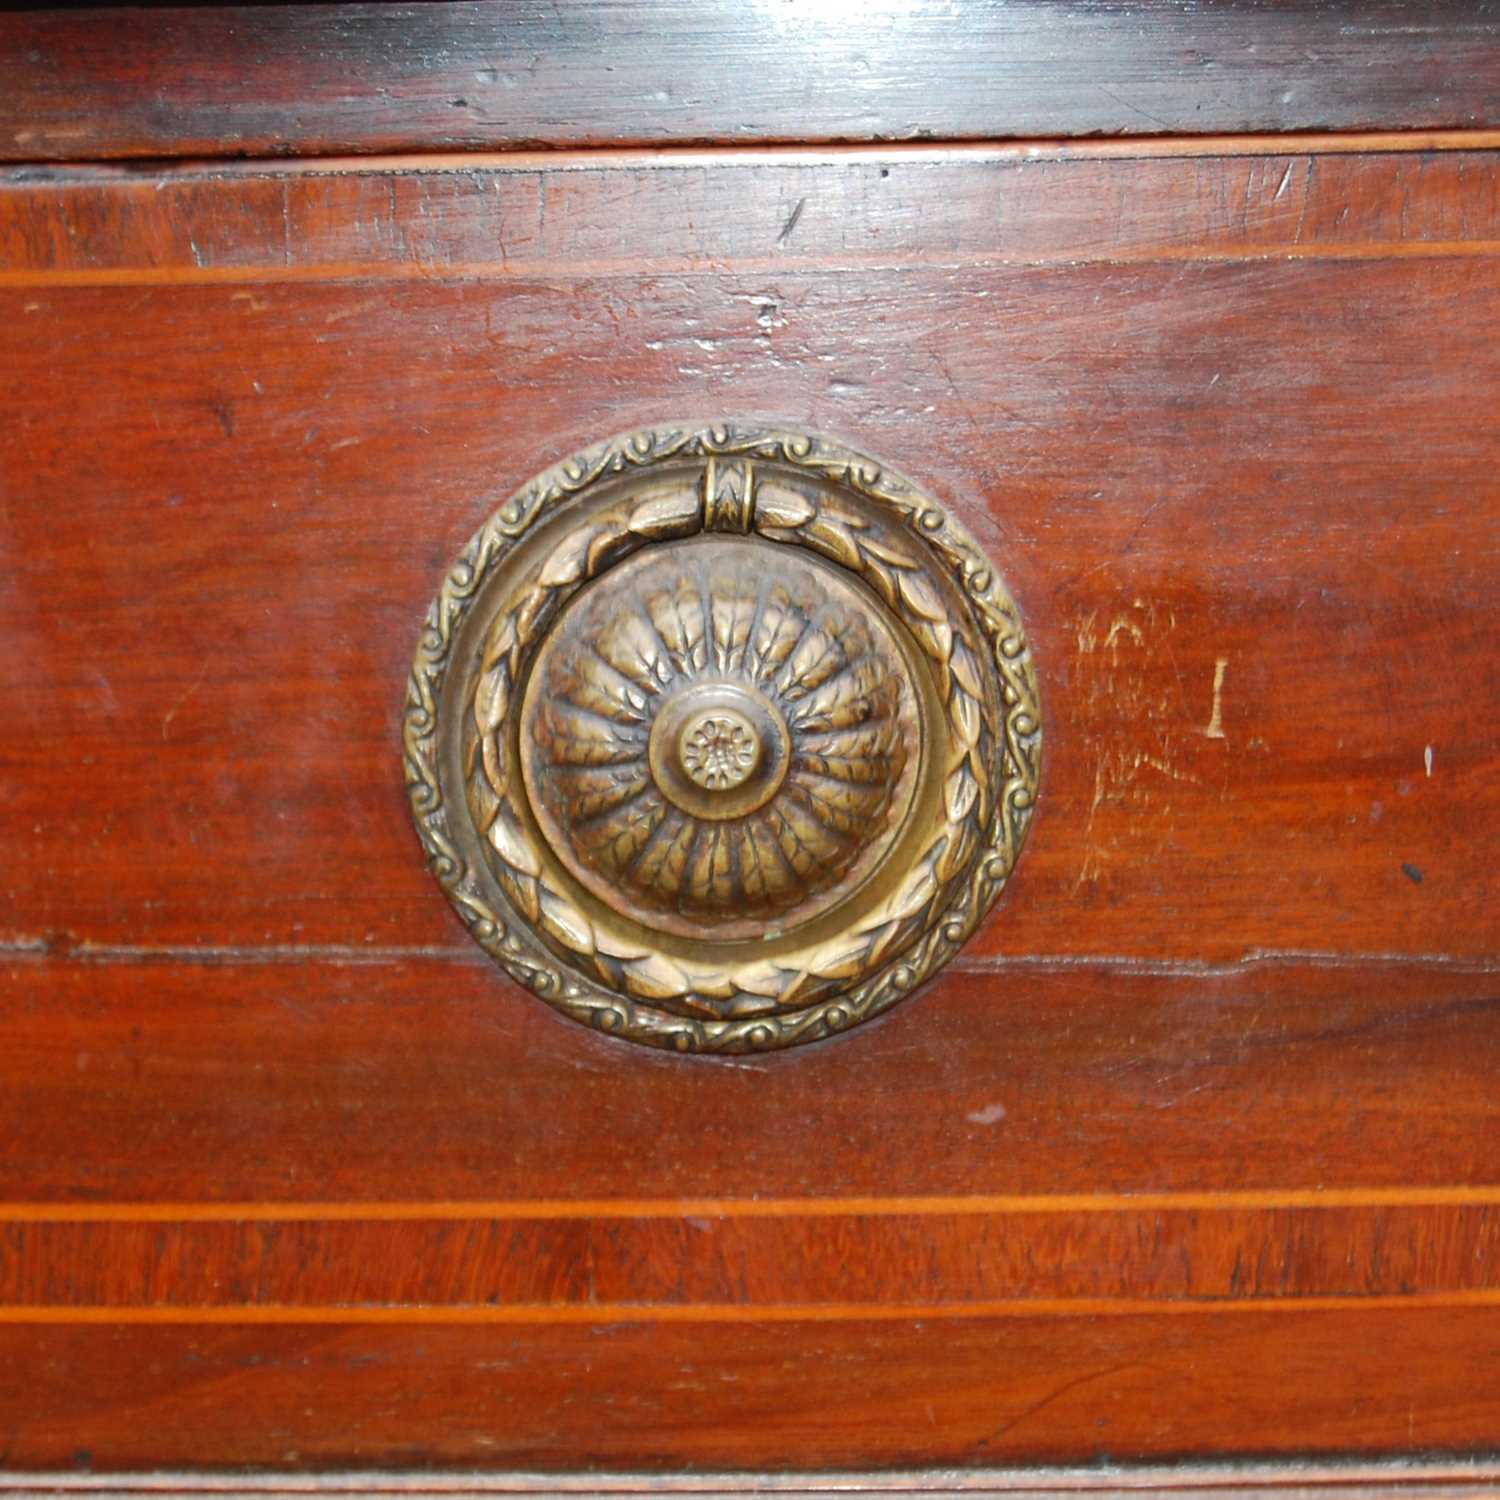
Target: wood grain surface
{"x":427,"y":1080}
{"x":159,"y":81}
{"x":1225,"y":424}
{"x":1192,"y":1154}
{"x":911,"y":1391}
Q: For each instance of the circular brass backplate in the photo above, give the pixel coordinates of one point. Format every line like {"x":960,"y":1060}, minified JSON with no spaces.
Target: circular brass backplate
{"x":722,"y":738}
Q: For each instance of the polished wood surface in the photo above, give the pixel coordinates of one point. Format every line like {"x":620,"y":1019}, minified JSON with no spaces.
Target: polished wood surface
{"x":1192,"y":1153}
{"x":909,"y":1391}
{"x":398,"y":1083}
{"x":211,"y":80}
{"x":1226,"y":425}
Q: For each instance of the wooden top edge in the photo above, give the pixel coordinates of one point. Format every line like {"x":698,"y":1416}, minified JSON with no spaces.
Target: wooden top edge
{"x":232,"y":80}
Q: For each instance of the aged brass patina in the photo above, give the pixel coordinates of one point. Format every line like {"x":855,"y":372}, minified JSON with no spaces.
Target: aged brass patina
{"x":717,"y":746}
{"x":722,"y":738}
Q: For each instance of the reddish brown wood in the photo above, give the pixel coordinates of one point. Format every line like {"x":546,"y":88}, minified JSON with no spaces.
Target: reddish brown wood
{"x":1264,"y":439}
{"x":249,"y":79}
{"x":1192,"y":1154}
{"x":431,"y":1080}
{"x":611,"y":1264}
{"x":903,"y":1393}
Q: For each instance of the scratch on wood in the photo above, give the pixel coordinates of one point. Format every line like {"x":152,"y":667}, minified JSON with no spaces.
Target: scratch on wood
{"x":1307,"y":182}
{"x":791,"y":223}
{"x":171,"y":713}
{"x":1062,"y":1390}
{"x":1118,"y":651}
{"x":1122,"y":624}
{"x":1157,"y":764}
{"x":1092,"y":862}
{"x":1215,"y":730}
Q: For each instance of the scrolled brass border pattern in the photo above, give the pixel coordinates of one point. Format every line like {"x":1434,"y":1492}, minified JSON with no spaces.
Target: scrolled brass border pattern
{"x":753,"y":485}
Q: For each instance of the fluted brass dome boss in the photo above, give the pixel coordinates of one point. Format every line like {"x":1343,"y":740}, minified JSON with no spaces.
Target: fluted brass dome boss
{"x":722,"y":738}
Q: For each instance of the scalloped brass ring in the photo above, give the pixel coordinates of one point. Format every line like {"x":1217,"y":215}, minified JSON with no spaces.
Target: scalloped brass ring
{"x":722,"y":738}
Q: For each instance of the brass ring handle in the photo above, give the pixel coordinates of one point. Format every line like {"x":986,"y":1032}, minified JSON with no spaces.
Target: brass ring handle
{"x":722,"y":738}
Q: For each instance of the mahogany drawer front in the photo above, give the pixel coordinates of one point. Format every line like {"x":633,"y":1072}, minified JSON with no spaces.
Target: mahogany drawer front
{"x":1192,"y":1145}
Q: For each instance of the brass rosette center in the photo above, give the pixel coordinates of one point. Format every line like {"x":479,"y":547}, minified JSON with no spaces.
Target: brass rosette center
{"x":719,"y":750}
{"x":722,"y":739}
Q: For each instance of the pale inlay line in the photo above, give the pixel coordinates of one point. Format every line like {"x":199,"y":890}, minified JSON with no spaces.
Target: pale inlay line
{"x":1204,"y":1201}
{"x":592,"y":1314}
